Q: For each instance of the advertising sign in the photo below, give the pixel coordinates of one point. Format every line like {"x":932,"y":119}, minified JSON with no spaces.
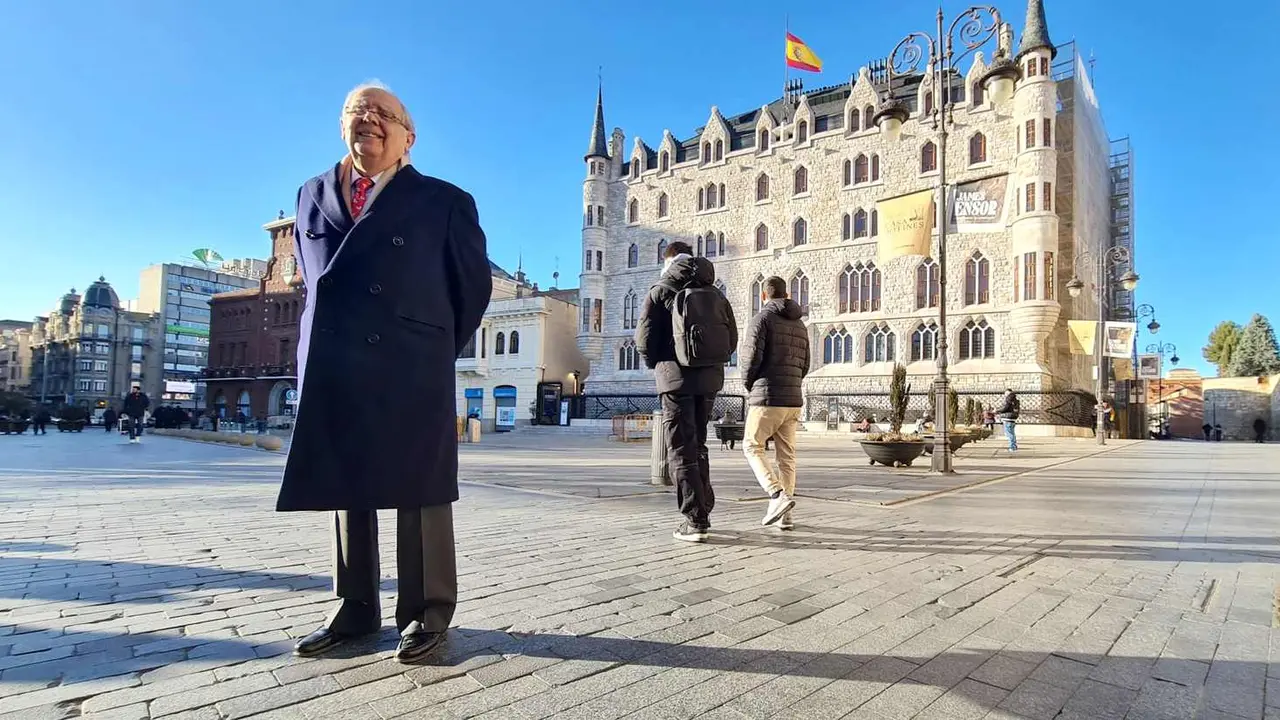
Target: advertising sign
{"x":1118,"y":339}
{"x":906,"y":225}
{"x":506,"y":417}
{"x":1149,"y":367}
{"x":979,"y":206}
{"x":179,"y":386}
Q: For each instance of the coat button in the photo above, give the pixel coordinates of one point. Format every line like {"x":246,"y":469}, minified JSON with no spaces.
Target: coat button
{"x":326,"y":281}
{"x":397,"y":241}
{"x":373,"y":338}
{"x":374,"y":289}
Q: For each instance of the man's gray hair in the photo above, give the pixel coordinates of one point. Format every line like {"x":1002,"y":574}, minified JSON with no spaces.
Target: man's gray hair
{"x":376,"y":84}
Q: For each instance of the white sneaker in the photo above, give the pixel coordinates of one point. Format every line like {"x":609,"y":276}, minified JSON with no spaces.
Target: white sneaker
{"x":785,"y":523}
{"x":777,"y":508}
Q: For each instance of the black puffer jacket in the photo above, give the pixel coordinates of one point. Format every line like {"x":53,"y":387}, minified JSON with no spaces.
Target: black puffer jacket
{"x":655,"y":335}
{"x":776,"y":354}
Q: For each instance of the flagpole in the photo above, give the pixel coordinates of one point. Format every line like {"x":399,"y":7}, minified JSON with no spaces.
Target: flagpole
{"x":786,"y":67}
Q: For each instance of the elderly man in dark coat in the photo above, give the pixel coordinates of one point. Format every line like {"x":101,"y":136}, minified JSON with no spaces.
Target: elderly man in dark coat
{"x":397,"y":281}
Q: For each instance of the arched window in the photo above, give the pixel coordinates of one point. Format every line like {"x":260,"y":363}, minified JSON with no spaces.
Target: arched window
{"x":600,"y":215}
{"x":712,"y":246}
{"x":664,"y":208}
{"x":868,"y":117}
{"x":800,"y":290}
{"x":926,"y":284}
{"x":275,"y":313}
{"x":879,"y":345}
{"x":977,"y":149}
{"x":855,"y":120}
{"x":697,"y":247}
{"x":801,"y":181}
{"x":712,"y":196}
{"x":757,"y":289}
{"x":244,"y":404}
{"x":662,"y":250}
{"x":799,"y":232}
{"x":875,"y":168}
{"x":977,"y":341}
{"x":762,"y":237}
{"x":724,"y":196}
{"x":846,"y":227}
{"x":664,"y":161}
{"x":928,"y":157}
{"x":802,"y":131}
{"x":629,"y":303}
{"x":706,"y":153}
{"x":719,"y":150}
{"x":628,"y":356}
{"x":762,"y":187}
{"x":764,"y":140}
{"x":635,"y":168}
{"x":837,"y":347}
{"x":860,"y":288}
{"x":500,"y":344}
{"x":928,"y":102}
{"x":861,"y":169}
{"x":513,"y":344}
{"x":847,"y":175}
{"x":977,"y":95}
{"x":977,"y":280}
{"x":860,"y":223}
{"x":875,"y":222}
{"x":633,"y":210}
{"x":633,"y":255}
{"x":702,"y":197}
{"x":924,"y":342}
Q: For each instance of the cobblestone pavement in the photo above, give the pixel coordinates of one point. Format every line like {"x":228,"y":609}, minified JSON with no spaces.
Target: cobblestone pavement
{"x":155,"y":581}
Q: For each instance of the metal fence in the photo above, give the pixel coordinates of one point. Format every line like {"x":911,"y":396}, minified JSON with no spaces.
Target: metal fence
{"x":603,"y":407}
{"x":1047,"y":407}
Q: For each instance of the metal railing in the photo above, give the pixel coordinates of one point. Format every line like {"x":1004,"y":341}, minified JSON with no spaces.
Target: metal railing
{"x":1038,"y":407}
{"x":602,"y":407}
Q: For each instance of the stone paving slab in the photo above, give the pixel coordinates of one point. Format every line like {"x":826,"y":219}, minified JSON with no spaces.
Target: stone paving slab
{"x":154,"y":581}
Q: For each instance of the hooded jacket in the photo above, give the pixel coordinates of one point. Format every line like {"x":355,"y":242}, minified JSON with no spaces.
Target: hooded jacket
{"x":655,"y":339}
{"x":776,"y":354}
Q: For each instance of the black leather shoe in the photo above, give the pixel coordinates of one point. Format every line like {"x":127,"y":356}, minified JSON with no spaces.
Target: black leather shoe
{"x":417,"y":645}
{"x":318,"y":642}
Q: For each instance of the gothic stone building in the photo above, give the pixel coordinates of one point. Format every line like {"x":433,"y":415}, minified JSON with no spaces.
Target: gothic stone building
{"x":791,"y":189}
{"x":253,"y":338}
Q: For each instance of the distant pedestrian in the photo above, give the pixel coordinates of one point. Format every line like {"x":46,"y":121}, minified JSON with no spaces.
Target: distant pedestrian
{"x":109,"y":419}
{"x":1259,"y":430}
{"x":1010,"y":408}
{"x":686,"y":334}
{"x":40,"y":421}
{"x":776,"y":356}
{"x":1207,"y":429}
{"x":989,"y":418}
{"x":1217,"y":432}
{"x":135,"y":407}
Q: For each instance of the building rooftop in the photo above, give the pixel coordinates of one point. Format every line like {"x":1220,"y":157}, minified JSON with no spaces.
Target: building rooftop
{"x":101,"y":294}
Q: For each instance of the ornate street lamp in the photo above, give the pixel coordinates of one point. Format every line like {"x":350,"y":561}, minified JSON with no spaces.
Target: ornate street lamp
{"x":977,"y":26}
{"x":1115,"y":256}
{"x":1162,"y":349}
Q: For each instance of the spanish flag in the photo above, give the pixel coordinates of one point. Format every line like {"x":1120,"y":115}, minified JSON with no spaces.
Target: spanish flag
{"x":800,"y":57}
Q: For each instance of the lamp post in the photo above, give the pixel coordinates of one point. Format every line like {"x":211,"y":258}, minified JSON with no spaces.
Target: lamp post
{"x":1117,"y":256}
{"x":977,"y":26}
{"x":1142,"y":311}
{"x":1162,"y":349}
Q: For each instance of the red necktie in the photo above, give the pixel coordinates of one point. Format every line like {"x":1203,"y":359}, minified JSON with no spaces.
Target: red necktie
{"x":360,"y":195}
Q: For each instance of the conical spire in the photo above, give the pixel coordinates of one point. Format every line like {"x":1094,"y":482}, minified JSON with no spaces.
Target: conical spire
{"x":1035,"y":34}
{"x":598,"y":146}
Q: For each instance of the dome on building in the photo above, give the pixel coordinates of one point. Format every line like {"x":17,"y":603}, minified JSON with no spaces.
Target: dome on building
{"x":69,"y":302}
{"x":100,"y":294}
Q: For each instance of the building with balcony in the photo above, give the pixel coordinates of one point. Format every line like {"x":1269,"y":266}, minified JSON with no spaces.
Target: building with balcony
{"x":15,"y":356}
{"x":253,"y":338}
{"x":90,"y":352}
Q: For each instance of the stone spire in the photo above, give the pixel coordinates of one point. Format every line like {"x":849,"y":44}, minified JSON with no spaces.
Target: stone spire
{"x":1035,"y":34}
{"x":598,"y":147}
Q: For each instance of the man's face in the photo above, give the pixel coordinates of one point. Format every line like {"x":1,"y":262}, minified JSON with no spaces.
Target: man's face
{"x":374,"y":128}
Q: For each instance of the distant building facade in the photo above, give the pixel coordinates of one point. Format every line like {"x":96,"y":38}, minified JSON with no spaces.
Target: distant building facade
{"x":90,"y":351}
{"x":253,"y":338}
{"x":15,"y":356}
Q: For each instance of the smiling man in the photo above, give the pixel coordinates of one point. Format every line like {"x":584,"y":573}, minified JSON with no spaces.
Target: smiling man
{"x":397,"y":280}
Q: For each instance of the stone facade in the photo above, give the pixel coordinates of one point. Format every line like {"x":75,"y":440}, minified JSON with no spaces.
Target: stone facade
{"x":633,"y":208}
{"x":1235,"y":402}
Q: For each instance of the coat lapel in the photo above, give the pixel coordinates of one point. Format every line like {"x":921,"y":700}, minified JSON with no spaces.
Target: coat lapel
{"x":387,"y":206}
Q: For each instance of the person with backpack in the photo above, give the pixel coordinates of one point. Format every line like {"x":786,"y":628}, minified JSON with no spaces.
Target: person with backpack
{"x":776,"y":356}
{"x":1008,"y":414}
{"x":686,"y":334}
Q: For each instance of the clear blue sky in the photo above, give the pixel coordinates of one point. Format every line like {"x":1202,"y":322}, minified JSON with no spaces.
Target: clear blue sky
{"x":137,"y":130}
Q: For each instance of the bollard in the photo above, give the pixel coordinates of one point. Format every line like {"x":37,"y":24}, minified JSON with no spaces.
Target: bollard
{"x":658,"y":472}
{"x":473,"y":430}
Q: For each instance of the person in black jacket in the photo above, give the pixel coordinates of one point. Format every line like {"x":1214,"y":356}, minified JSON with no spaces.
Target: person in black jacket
{"x":776,"y":353}
{"x":1008,"y":412}
{"x":135,"y":406}
{"x":687,"y":393}
{"x":109,"y":419}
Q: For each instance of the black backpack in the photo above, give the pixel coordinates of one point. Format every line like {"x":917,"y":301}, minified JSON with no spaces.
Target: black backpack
{"x":700,"y":327}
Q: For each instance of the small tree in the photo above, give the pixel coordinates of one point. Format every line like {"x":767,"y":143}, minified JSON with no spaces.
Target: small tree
{"x":970,"y":411}
{"x":1256,"y":353}
{"x":899,"y":396}
{"x":1222,"y":344}
{"x":953,"y":407}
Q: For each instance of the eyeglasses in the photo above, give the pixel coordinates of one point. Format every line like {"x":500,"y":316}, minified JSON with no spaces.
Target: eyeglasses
{"x":380,"y":113}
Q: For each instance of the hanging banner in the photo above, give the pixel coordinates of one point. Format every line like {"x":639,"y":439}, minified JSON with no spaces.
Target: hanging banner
{"x":1122,"y":368}
{"x":906,"y":225}
{"x":1119,"y":339}
{"x":1082,"y":336}
{"x":979,"y":206}
{"x":1149,"y":367}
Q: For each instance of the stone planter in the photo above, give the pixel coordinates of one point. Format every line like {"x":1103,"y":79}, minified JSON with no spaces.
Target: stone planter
{"x":269,"y":442}
{"x":957,"y":440}
{"x":892,"y":454}
{"x":247,"y":440}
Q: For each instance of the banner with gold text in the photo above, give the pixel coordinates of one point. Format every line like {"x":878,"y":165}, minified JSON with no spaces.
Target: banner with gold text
{"x":1083,"y":335}
{"x":906,"y":225}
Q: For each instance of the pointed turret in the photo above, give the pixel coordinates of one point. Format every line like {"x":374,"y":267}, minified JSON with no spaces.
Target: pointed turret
{"x":599,"y":145}
{"x":1035,"y":34}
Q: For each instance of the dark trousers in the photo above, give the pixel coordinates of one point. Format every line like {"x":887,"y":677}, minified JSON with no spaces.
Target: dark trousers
{"x":426,"y":570}
{"x":684,"y":421}
{"x":38,"y":429}
{"x":135,"y":427}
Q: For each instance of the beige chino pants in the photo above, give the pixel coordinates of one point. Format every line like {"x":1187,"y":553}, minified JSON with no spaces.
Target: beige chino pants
{"x":780,"y":424}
